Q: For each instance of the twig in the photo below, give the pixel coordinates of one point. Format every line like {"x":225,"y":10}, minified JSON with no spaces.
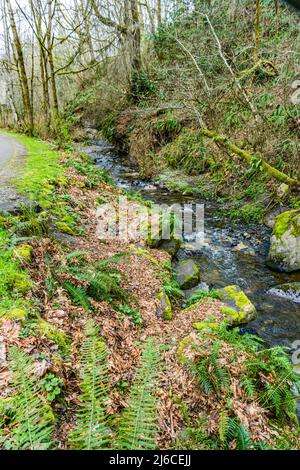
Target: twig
{"x":222,"y":55}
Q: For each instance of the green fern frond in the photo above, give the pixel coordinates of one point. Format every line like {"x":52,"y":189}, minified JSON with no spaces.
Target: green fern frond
{"x":78,"y":295}
{"x":238,"y":432}
{"x":79,"y":256}
{"x":211,"y":375}
{"x":92,"y":431}
{"x":33,"y":420}
{"x":243,"y":438}
{"x":223,"y":426}
{"x":101,"y":281}
{"x":248,"y":386}
{"x":138,"y":426}
{"x":111,"y":260}
{"x":203,"y":377}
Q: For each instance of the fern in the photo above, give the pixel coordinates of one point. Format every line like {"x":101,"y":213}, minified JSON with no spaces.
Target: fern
{"x":204,"y":377}
{"x":212,"y":376}
{"x":92,"y":431}
{"x":223,"y":426}
{"x":100,"y":280}
{"x":275,"y":395}
{"x":78,"y":295}
{"x":243,"y":438}
{"x":238,"y":432}
{"x":248,"y":386}
{"x":80,"y":256}
{"x":32,"y":426}
{"x":138,"y":427}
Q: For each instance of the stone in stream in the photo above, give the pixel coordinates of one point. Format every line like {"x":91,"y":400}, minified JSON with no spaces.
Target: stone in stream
{"x":284,"y":254}
{"x":171,"y":246}
{"x":241,"y":247}
{"x":187,"y":274}
{"x":289,"y":291}
{"x":237,"y":305}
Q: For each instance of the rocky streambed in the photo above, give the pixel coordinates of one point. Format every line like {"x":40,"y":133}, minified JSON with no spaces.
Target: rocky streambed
{"x":230,"y":254}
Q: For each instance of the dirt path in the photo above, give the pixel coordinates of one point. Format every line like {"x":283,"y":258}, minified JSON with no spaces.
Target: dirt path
{"x":12,"y":155}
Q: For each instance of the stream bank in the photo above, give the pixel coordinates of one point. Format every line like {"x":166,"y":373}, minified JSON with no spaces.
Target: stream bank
{"x":231,"y":253}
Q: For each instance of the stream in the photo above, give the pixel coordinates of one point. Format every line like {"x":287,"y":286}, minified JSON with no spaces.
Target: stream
{"x":278,"y":319}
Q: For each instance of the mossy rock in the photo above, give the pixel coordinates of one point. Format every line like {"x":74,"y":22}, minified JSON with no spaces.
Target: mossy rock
{"x":187,"y":274}
{"x":164,"y":309}
{"x":23,"y":252}
{"x":284,"y":253}
{"x":237,"y":307}
{"x":171,"y":246}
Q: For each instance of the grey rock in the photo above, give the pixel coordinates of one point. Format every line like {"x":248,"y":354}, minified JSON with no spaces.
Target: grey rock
{"x":187,"y":274}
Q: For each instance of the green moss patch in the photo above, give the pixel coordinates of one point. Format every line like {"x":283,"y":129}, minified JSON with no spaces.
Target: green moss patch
{"x":285,"y":221}
{"x":15,"y":281}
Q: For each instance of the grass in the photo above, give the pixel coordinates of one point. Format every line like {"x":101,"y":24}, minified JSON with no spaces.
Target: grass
{"x":43,"y":180}
{"x":42,"y":171}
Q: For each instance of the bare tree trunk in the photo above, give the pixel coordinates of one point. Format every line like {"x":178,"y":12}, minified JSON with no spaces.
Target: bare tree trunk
{"x":50,"y":58}
{"x":159,"y":14}
{"x":135,"y":48}
{"x":257,"y":31}
{"x":8,"y":78}
{"x":32,"y":78}
{"x":21,"y":71}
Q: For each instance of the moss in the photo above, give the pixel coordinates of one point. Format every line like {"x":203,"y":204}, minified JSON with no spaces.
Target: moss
{"x":238,"y":307}
{"x":15,"y":314}
{"x":187,"y":273}
{"x":144,"y":252}
{"x":230,"y":312}
{"x":21,"y":282}
{"x":65,"y":228}
{"x":42,"y":327}
{"x":203,"y":325}
{"x":188,"y":151}
{"x":165,"y":307}
{"x":23,"y":252}
{"x":286,"y":220}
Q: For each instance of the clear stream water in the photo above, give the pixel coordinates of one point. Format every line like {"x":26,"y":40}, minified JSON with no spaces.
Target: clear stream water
{"x":278,"y":319}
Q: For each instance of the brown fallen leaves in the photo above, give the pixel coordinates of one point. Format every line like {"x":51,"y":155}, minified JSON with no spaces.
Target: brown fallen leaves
{"x":142,"y":279}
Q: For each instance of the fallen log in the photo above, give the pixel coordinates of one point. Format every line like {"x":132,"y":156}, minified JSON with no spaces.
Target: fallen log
{"x":222,"y":140}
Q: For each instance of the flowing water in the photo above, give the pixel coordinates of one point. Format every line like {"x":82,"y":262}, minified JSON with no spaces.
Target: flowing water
{"x":278,"y":319}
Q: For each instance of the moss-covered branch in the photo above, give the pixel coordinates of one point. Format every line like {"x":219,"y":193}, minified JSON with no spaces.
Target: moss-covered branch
{"x":222,"y":140}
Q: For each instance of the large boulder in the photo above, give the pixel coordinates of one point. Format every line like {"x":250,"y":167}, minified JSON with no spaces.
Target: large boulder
{"x":187,"y":274}
{"x":171,"y":246}
{"x":289,"y":291}
{"x":237,"y":307}
{"x":284,"y":254}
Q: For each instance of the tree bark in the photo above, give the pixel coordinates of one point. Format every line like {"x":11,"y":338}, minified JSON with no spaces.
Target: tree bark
{"x":135,"y":49}
{"x":28,"y":110}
